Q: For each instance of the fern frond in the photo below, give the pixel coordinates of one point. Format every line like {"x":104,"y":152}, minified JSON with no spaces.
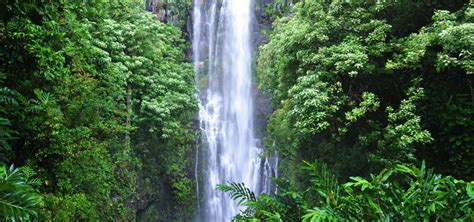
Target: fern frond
{"x":238,"y":192}
{"x":320,"y":214}
{"x":324,"y":181}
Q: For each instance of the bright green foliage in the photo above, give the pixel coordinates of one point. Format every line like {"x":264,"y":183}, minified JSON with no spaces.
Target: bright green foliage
{"x":399,"y":193}
{"x":69,"y":208}
{"x":402,"y":132}
{"x":312,"y":104}
{"x":354,"y":81}
{"x":444,"y":49}
{"x":97,"y":99}
{"x":421,"y":195}
{"x":369,"y":103}
{"x":367,"y":87}
{"x":18,"y":200}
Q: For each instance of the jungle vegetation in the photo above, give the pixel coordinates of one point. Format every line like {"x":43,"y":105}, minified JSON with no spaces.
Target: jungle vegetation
{"x":96,"y":105}
{"x":373,"y":112}
{"x":378,"y":89}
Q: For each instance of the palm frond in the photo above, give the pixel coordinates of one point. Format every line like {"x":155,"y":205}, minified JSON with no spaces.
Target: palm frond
{"x":18,"y":200}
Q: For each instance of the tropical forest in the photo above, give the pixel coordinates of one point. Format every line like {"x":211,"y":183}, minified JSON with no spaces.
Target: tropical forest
{"x":236,"y":110}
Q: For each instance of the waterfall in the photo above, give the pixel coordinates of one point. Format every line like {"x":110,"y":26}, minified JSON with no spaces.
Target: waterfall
{"x":196,"y":37}
{"x":229,"y":152}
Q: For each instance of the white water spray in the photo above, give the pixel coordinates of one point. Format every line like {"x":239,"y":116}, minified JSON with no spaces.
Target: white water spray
{"x":222,"y":30}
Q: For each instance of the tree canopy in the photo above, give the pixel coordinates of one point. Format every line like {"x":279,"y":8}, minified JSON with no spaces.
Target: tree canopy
{"x":97,"y":100}
{"x":368,"y":88}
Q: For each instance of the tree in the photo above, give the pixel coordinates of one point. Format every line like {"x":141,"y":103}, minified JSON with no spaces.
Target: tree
{"x":352,"y":82}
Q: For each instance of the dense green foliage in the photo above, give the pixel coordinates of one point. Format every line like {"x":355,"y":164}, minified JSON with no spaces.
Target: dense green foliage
{"x":365,"y":85}
{"x":398,"y":193}
{"x":371,"y":88}
{"x":97,"y":100}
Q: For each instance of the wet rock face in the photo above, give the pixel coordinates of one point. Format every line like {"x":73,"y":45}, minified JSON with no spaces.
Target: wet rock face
{"x":263,"y":106}
{"x":156,"y":7}
{"x":263,"y":109}
{"x":161,"y":8}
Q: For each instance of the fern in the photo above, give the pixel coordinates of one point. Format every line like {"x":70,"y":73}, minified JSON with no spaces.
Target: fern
{"x":7,"y":96}
{"x":238,"y":192}
{"x":324,"y":182}
{"x":29,"y":174}
{"x":320,"y":214}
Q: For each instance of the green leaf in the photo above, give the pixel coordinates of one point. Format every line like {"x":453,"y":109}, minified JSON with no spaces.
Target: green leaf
{"x":470,"y":189}
{"x":18,"y":200}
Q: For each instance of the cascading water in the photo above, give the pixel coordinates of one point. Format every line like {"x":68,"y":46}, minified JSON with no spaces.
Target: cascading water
{"x":223,"y":58}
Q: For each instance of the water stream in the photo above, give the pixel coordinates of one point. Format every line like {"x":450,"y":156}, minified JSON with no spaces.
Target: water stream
{"x":223,"y":61}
